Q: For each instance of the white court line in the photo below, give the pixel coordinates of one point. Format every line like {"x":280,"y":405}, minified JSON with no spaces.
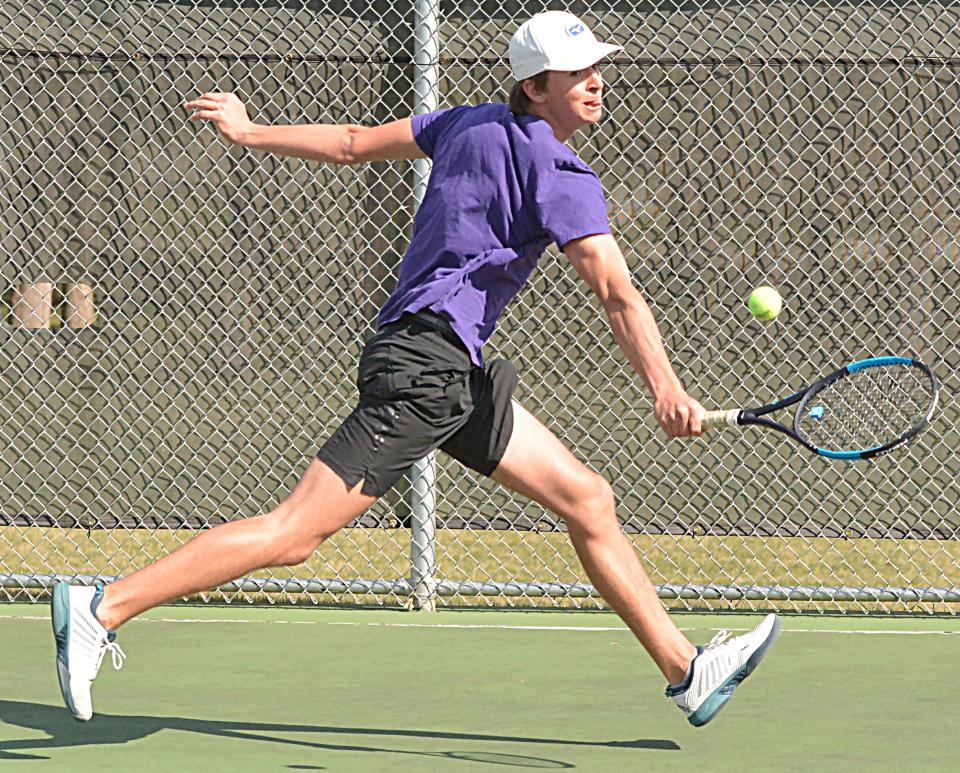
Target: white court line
{"x":579,"y":629}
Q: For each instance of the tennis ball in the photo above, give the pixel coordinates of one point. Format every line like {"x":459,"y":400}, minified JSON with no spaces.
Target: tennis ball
{"x":765,"y":303}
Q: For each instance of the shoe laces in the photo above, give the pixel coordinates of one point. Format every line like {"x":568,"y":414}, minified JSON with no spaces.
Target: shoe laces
{"x":717,"y":640}
{"x":117,"y":655}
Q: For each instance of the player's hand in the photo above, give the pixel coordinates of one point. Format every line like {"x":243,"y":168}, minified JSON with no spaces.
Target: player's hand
{"x":225,"y":110}
{"x":679,"y":414}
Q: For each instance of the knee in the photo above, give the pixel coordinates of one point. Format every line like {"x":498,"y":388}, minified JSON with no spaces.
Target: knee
{"x":288,"y":542}
{"x":295,"y":553}
{"x":593,"y":506}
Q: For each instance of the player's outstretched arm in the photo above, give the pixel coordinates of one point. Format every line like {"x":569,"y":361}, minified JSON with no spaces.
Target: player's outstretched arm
{"x":330,"y":143}
{"x":599,"y":261}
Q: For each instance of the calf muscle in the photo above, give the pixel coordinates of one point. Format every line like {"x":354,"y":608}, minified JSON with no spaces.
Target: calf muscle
{"x":537,"y":465}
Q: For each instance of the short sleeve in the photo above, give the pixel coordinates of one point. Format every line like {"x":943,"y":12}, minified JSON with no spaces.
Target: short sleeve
{"x":428,"y":127}
{"x":570,"y":202}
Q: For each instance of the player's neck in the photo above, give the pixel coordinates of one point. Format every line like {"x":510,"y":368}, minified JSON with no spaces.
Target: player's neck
{"x":561,"y":132}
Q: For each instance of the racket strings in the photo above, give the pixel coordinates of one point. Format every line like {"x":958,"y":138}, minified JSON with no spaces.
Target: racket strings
{"x":867,"y":409}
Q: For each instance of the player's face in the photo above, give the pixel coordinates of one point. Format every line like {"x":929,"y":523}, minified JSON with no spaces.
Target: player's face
{"x":575,"y":99}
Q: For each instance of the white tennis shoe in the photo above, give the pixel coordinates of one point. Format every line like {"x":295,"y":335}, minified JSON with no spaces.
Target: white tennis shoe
{"x":719,"y":667}
{"x":81,"y":644}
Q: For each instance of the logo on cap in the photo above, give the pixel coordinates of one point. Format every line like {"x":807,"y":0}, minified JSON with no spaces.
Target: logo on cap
{"x":575,"y":29}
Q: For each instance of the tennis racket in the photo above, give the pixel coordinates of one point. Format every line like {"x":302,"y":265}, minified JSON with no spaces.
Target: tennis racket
{"x":864,"y":409}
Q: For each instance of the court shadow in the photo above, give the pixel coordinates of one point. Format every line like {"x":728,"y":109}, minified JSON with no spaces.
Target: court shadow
{"x":110,"y":729}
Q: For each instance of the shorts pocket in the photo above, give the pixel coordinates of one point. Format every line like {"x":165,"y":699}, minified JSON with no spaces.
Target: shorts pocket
{"x":376,"y":379}
{"x":438,"y":379}
{"x":427,"y":369}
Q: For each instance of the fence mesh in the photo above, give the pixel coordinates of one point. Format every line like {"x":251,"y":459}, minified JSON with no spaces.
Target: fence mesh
{"x":182,"y":318}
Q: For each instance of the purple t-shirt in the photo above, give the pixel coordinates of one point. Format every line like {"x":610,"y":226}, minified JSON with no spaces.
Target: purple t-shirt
{"x":501,"y":189}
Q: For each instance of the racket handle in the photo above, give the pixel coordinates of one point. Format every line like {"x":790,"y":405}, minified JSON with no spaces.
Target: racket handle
{"x":715,"y":418}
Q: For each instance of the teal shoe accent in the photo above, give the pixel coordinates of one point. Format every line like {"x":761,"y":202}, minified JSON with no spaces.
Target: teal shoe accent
{"x":717,"y":700}
{"x":60,"y":615}
{"x":94,"y":603}
{"x":97,"y":598}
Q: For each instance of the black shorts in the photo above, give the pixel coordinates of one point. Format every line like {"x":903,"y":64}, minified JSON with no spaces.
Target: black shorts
{"x":420,"y":391}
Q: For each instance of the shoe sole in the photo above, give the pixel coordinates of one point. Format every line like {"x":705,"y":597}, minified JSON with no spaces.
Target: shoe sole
{"x":717,"y":699}
{"x":60,"y":617}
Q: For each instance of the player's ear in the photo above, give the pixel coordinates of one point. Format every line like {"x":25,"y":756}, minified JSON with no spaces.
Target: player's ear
{"x":535,"y":88}
{"x":529,"y":89}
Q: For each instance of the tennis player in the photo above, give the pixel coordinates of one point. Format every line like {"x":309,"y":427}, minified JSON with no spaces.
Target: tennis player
{"x":503,"y":186}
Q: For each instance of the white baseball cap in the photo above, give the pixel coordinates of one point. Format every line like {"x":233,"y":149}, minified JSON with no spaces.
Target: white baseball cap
{"x":554,"y":40}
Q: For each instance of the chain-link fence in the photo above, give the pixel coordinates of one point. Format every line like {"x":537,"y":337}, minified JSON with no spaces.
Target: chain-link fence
{"x":182,"y":318}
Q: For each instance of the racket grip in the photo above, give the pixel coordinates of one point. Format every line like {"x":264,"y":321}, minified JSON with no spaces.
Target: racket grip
{"x":715,"y":418}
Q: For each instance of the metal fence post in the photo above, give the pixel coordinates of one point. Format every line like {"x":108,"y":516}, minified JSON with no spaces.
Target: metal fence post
{"x":426,"y":81}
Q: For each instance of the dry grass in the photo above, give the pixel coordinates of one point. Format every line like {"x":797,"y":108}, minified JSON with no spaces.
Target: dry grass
{"x":528,"y":557}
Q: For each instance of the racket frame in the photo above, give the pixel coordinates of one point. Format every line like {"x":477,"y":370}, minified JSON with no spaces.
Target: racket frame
{"x":755,"y":416}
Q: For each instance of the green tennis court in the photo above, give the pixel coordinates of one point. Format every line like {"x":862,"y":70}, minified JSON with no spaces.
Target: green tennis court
{"x":258,"y":689}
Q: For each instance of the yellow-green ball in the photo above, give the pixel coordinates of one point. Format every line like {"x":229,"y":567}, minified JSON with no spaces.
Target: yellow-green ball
{"x":765,"y":303}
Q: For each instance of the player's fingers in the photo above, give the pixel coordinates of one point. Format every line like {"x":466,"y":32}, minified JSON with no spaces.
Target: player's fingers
{"x":668,"y":420}
{"x":677,"y":422}
{"x":688,"y":424}
{"x":211,"y":98}
{"x":682,"y":418}
{"x":674,"y":426}
{"x":209,"y":115}
{"x":695,"y":423}
{"x":207,"y":104}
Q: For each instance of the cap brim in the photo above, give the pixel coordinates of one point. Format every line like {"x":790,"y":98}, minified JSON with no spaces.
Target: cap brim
{"x":578,"y":60}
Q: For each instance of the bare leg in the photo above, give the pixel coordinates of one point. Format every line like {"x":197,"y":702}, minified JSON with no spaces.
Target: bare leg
{"x":320,"y":504}
{"x":537,"y":465}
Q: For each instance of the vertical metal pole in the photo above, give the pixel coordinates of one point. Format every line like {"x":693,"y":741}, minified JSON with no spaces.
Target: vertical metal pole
{"x":423,"y":474}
